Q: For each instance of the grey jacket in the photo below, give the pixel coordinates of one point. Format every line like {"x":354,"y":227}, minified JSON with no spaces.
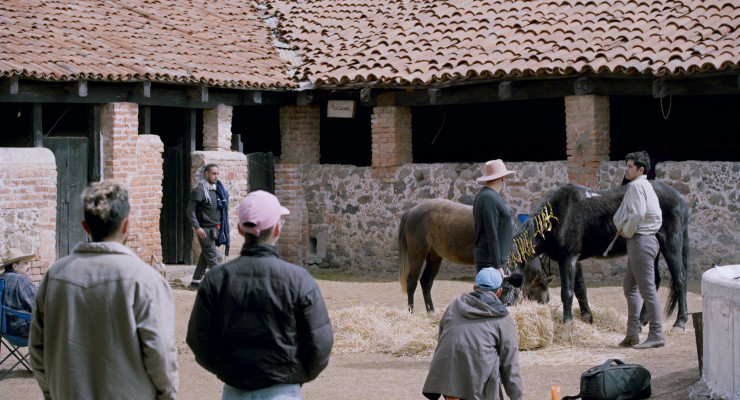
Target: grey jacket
{"x":477,"y":342}
{"x":103,"y":328}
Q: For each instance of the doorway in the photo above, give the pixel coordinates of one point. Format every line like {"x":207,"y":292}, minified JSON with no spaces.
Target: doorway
{"x":71,"y":154}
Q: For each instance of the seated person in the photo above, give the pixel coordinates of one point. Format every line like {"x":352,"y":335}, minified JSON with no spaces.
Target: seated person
{"x":20,"y":292}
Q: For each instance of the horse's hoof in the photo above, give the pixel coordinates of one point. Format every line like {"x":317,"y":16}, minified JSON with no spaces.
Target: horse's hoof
{"x":677,"y":330}
{"x":431,"y":312}
{"x":587,"y":317}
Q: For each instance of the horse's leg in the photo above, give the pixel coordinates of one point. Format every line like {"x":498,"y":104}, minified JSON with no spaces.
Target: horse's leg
{"x":567,"y":278}
{"x":427,"y":279}
{"x":415,"y":264}
{"x":580,"y":290}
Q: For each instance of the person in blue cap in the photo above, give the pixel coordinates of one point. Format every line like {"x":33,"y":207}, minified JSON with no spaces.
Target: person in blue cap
{"x":477,"y":350}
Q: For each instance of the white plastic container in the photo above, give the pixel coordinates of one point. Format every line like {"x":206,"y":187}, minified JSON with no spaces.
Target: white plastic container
{"x":721,"y":325}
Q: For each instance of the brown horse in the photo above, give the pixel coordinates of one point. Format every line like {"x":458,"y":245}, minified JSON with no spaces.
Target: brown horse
{"x":442,"y":229}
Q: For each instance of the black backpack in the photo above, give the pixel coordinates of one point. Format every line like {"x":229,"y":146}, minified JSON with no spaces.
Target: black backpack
{"x":614,"y":382}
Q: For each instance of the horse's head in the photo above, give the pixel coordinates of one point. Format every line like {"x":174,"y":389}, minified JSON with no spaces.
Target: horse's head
{"x":537,"y":289}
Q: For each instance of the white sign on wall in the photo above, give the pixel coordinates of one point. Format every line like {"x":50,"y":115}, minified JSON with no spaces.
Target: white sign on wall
{"x":340,"y":109}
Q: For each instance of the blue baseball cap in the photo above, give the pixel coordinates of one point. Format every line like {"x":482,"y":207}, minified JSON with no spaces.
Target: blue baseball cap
{"x":488,"y":279}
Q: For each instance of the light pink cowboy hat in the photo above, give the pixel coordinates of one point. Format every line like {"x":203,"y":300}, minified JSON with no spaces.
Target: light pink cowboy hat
{"x":494,"y":170}
{"x":14,"y":255}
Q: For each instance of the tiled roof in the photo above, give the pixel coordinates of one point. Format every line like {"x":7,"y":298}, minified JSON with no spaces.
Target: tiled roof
{"x":423,"y":42}
{"x":211,"y":42}
{"x":230,"y":43}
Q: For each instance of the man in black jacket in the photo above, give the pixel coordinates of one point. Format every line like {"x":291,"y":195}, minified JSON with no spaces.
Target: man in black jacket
{"x":204,"y":214}
{"x":492,"y":219}
{"x":260,"y":323}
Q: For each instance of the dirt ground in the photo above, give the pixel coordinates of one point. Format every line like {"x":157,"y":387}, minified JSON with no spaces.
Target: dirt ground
{"x":674,"y":368}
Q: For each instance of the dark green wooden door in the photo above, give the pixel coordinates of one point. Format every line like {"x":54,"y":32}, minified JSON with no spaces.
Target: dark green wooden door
{"x":261,"y":170}
{"x":173,"y":225}
{"x":71,"y":157}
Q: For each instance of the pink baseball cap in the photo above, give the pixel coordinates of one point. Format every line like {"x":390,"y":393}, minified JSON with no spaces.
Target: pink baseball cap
{"x":262,"y":209}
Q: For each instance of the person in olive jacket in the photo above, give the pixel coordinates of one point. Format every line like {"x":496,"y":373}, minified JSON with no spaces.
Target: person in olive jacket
{"x":477,"y":351}
{"x":260,"y":323}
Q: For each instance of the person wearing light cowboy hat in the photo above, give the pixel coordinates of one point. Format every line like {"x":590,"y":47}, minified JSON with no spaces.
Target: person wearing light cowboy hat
{"x":492,"y":219}
{"x":20,"y":292}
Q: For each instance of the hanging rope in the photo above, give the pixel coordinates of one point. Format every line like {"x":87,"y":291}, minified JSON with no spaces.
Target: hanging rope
{"x":670,"y":105}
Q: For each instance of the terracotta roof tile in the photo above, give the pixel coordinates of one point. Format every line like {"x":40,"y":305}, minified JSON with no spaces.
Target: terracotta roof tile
{"x":217,"y":42}
{"x":232,"y":43}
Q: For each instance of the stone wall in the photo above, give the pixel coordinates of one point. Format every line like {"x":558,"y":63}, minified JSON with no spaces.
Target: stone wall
{"x":28,"y":201}
{"x":353,"y":218}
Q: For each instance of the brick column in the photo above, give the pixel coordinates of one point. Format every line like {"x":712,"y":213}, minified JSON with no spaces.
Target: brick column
{"x":135,"y":161}
{"x":299,"y":134}
{"x":391,"y":138}
{"x":289,"y":190}
{"x":119,"y":127}
{"x":299,"y":140}
{"x":587,"y":127}
{"x":28,"y":205}
{"x":217,"y":128}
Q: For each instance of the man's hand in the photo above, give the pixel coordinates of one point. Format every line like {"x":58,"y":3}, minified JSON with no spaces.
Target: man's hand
{"x":201,"y":233}
{"x":623,"y":235}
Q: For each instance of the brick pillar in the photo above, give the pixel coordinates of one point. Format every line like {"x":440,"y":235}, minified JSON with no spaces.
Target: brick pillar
{"x":28,"y":205}
{"x":391,"y":137}
{"x":217,"y":128}
{"x":289,"y":190}
{"x":587,"y":127}
{"x":135,"y":161}
{"x":299,"y":134}
{"x":299,"y":138}
{"x":119,"y":126}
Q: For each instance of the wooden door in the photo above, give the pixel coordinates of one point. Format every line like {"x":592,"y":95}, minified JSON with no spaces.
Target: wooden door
{"x":71,"y":155}
{"x":173,"y":225}
{"x":261,"y":167}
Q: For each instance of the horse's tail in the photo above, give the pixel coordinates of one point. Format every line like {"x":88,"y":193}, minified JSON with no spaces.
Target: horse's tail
{"x":677,"y":287}
{"x":403,"y":254}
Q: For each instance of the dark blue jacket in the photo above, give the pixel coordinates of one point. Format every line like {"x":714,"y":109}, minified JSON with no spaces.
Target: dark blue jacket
{"x":223,"y":206}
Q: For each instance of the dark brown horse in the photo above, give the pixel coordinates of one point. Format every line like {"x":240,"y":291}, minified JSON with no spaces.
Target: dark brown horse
{"x":440,"y":229}
{"x":583,"y":228}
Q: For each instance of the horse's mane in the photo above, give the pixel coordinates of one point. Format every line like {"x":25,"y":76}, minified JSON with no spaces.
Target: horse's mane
{"x":522,"y":247}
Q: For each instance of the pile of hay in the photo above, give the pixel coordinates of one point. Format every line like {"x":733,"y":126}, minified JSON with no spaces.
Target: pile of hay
{"x":534,"y":331}
{"x":388,"y":330}
{"x":382,"y":329}
{"x":534,"y":324}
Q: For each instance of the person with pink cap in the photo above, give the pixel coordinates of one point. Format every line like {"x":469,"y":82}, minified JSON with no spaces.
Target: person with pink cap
{"x":492,"y":219}
{"x":260,"y":323}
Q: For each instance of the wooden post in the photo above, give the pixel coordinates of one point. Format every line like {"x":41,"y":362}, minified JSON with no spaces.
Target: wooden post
{"x":93,"y":137}
{"x":145,"y":120}
{"x":38,"y":130}
{"x":696,"y":319}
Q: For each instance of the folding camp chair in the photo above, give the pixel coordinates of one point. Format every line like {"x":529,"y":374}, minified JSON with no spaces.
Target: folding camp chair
{"x":13,"y":344}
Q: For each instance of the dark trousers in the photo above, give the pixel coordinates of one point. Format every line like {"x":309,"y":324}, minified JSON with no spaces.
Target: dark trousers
{"x":208,"y":253}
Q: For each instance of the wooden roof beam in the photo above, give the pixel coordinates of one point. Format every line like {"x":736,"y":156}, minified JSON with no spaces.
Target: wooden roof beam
{"x":9,"y":85}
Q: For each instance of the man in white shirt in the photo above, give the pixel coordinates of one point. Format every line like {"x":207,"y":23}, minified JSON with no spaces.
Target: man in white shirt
{"x":638,"y":219}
